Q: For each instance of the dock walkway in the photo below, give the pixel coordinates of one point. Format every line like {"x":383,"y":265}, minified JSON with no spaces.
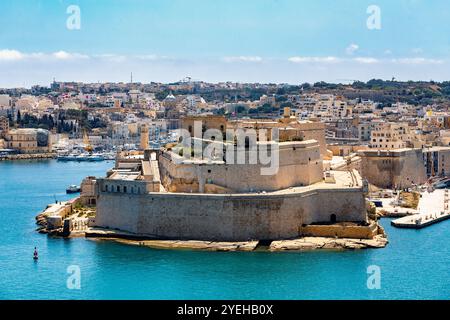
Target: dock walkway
{"x":433,"y":208}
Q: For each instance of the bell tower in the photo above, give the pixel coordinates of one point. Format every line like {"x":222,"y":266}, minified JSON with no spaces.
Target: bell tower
{"x":144,"y":137}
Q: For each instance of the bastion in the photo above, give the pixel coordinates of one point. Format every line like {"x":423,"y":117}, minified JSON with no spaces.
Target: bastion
{"x":165,"y":196}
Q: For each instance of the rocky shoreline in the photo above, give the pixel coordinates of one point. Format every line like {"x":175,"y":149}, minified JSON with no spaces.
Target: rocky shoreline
{"x":314,"y":243}
{"x":300,"y":244}
{"x":317,"y":240}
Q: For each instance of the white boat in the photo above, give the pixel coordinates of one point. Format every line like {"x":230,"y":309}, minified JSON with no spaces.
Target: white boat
{"x":67,"y":157}
{"x":73,"y":189}
{"x":96,"y":157}
{"x":82,"y":157}
{"x":77,"y":156}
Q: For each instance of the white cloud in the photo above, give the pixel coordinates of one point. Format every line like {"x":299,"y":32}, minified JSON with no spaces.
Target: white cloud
{"x":417,"y":61}
{"x":15,"y":55}
{"x":63,"y":55}
{"x":314,"y":59}
{"x":366,"y":60}
{"x":111,"y":57}
{"x":243,"y":59}
{"x":150,"y":57}
{"x":11,"y":55}
{"x":351,"y":49}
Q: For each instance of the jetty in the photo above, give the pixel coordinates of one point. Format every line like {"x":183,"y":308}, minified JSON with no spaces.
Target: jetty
{"x":433,"y":208}
{"x":27,"y":156}
{"x":420,"y":220}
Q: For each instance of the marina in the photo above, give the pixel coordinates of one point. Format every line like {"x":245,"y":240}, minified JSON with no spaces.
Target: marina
{"x":92,"y":157}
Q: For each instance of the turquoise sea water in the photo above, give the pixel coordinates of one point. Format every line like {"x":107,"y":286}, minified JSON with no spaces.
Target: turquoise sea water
{"x":415,"y":265}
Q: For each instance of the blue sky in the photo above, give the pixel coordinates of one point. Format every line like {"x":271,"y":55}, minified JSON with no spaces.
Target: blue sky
{"x":223,"y":40}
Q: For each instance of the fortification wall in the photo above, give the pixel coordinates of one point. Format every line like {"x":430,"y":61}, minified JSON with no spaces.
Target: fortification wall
{"x":226,"y":217}
{"x":353,"y":232}
{"x":300,"y":164}
{"x":393,"y":169}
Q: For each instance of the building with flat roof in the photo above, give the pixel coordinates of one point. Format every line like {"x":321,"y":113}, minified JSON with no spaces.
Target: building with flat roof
{"x":389,"y":135}
{"x":404,"y":168}
{"x":28,"y":140}
{"x":177,"y":193}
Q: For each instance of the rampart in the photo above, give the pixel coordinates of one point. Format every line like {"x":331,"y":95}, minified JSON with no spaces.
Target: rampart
{"x":228,"y":217}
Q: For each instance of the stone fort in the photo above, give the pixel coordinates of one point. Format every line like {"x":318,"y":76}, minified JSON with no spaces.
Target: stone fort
{"x":164,"y":195}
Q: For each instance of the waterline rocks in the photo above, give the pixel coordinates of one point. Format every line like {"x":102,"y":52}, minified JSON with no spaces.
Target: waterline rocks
{"x":314,"y":243}
{"x":300,"y":244}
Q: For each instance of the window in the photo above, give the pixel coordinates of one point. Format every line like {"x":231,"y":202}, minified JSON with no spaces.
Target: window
{"x":106,"y":188}
{"x":125,"y":189}
{"x":118,"y":188}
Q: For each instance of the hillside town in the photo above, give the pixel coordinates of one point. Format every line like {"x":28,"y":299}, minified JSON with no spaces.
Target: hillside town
{"x":112,"y":116}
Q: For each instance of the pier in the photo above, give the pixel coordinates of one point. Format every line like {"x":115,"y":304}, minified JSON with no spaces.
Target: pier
{"x":433,"y":208}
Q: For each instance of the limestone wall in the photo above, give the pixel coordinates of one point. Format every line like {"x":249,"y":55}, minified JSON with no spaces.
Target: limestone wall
{"x":353,"y":232}
{"x":226,"y":217}
{"x":388,"y":169}
{"x":300,"y":164}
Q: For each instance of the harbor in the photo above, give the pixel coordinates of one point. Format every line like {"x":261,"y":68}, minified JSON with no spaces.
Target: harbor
{"x":433,"y":208}
{"x":92,"y":157}
{"x":419,"y":221}
{"x":110,"y":265}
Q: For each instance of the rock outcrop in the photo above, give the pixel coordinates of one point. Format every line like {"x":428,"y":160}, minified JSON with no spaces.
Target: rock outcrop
{"x":313,"y":243}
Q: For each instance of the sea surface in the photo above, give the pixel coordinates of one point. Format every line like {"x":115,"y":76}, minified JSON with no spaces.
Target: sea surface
{"x":414,"y":265}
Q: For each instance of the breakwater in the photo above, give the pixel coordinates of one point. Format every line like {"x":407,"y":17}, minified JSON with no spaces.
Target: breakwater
{"x":33,"y":156}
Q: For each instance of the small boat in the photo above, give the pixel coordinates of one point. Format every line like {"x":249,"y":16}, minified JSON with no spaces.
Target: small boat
{"x":82,"y":157}
{"x":442,"y":184}
{"x":35,"y":254}
{"x":96,"y":157}
{"x":73,"y":189}
{"x":67,"y":157}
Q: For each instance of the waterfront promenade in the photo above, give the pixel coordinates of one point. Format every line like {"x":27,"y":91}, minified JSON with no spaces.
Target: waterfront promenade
{"x":433,"y":207}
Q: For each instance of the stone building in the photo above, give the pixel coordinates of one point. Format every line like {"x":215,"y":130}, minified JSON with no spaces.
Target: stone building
{"x":437,"y":161}
{"x":4,"y":126}
{"x":29,"y":140}
{"x":389,"y":135}
{"x":403,"y":168}
{"x":289,"y":128}
{"x":144,"y":137}
{"x":168,"y":195}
